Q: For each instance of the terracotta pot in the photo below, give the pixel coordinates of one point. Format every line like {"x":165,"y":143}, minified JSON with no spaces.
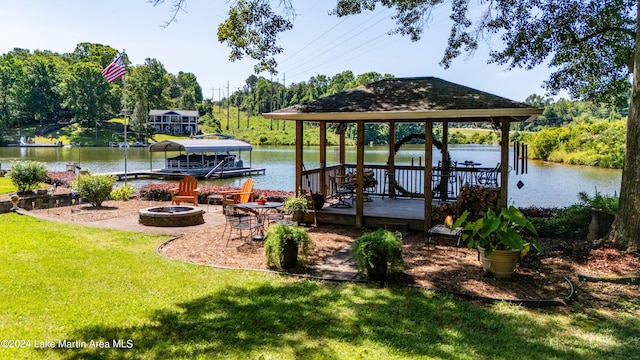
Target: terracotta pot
{"x":501,"y":263}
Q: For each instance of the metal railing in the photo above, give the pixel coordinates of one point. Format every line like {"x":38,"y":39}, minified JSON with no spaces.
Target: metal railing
{"x":409,"y":180}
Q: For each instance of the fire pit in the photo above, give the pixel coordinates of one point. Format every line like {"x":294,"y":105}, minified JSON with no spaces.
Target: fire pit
{"x":171,"y":216}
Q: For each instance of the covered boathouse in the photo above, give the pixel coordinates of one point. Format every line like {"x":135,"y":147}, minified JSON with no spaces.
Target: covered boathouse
{"x":205,"y":158}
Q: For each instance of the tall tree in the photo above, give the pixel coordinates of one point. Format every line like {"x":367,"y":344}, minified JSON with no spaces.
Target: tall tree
{"x":148,"y":89}
{"x":96,"y":53}
{"x":87,"y":95}
{"x":11,"y":76}
{"x":43,"y":74}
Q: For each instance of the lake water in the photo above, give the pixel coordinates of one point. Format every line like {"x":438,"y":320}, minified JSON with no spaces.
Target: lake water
{"x":545,"y":184}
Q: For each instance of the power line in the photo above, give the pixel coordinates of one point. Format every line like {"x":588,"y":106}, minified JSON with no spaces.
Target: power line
{"x":328,"y":50}
{"x":324,"y":49}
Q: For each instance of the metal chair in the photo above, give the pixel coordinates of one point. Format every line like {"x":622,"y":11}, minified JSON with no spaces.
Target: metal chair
{"x":489,"y":177}
{"x":236,"y":219}
{"x":340,"y":191}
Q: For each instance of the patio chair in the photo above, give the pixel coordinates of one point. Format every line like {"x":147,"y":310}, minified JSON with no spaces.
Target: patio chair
{"x":489,"y":177}
{"x":187,"y":191}
{"x":236,"y":197}
{"x":240,"y":221}
{"x":276,"y":215}
{"x":340,"y":190}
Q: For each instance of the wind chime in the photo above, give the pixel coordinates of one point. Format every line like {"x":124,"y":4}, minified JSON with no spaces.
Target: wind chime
{"x":520,"y":160}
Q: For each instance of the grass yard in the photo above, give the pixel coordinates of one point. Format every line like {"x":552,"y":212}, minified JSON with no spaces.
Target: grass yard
{"x":64,"y":285}
{"x":6,"y":186}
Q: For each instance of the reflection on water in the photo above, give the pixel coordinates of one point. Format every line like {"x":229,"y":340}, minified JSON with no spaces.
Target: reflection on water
{"x":545,"y":184}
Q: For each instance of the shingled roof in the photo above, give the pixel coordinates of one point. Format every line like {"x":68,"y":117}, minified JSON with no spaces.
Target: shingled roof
{"x":408,"y":99}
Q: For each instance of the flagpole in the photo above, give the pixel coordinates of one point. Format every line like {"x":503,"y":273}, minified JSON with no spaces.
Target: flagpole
{"x":126,"y":143}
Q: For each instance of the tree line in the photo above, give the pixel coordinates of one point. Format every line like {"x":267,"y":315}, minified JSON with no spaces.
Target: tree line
{"x":45,"y":87}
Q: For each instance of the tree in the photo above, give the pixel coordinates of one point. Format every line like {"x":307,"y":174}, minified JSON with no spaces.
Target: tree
{"x":593,"y":45}
{"x":11,"y":74}
{"x":149,"y":89}
{"x":86,"y":94}
{"x":185,"y":92}
{"x":43,"y":73}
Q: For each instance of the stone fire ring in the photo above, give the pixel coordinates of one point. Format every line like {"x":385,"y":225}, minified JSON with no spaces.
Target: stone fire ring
{"x":171,"y":216}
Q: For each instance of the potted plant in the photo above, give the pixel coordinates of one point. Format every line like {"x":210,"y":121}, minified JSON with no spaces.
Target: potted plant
{"x":283,"y":243}
{"x":498,"y":238}
{"x":297,"y":206}
{"x":602,"y":209}
{"x":377,"y":251}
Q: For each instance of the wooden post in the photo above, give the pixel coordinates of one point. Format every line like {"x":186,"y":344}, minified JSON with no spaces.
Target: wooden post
{"x":428,"y":160}
{"x":323,"y":158}
{"x":392,"y":160}
{"x":504,"y":164}
{"x":360,"y":174}
{"x":299,"y":151}
{"x":342,"y":144}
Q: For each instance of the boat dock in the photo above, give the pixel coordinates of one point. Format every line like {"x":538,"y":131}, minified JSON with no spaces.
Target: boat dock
{"x":160,"y":174}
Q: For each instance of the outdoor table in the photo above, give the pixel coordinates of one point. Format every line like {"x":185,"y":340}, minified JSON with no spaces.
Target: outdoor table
{"x":470,"y":163}
{"x":260,"y":210}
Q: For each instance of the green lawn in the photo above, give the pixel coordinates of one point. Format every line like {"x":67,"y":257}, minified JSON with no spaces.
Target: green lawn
{"x":6,"y":186}
{"x":63,"y":282}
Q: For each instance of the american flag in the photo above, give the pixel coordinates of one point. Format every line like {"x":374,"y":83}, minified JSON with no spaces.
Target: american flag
{"x":115,"y":70}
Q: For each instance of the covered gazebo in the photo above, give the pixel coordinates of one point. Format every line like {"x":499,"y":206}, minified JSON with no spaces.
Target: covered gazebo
{"x":425,"y":100}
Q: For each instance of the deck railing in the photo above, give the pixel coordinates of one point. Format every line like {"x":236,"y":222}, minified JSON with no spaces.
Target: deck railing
{"x":409,"y":179}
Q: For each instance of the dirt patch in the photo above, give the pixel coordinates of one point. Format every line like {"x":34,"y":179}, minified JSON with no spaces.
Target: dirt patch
{"x":442,"y":267}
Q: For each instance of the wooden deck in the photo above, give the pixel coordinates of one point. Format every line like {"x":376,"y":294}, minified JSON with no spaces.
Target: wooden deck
{"x":394,"y":214}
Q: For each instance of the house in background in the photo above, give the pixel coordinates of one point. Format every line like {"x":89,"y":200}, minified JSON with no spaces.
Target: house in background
{"x":174,"y":122}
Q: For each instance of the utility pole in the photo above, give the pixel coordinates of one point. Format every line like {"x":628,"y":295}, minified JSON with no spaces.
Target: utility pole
{"x":227,"y":104}
{"x":238,"y":107}
{"x":271,"y":100}
{"x":284,"y":83}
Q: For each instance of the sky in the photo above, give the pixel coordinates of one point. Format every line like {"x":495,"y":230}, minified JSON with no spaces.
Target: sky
{"x":318,"y":44}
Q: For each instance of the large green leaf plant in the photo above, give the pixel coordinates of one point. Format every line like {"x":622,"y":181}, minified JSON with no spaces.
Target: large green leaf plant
{"x":501,"y":230}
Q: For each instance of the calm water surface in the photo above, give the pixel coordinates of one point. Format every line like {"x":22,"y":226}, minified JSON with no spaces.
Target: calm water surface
{"x":545,"y":184}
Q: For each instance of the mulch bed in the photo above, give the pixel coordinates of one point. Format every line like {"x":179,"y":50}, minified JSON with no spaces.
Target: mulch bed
{"x":440,"y":267}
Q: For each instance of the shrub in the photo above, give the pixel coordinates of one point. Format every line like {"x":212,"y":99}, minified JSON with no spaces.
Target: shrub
{"x":277,"y":237}
{"x":27,"y":175}
{"x":123,"y":193}
{"x":94,"y":188}
{"x":563,"y":223}
{"x":375,"y":251}
{"x":606,"y":203}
